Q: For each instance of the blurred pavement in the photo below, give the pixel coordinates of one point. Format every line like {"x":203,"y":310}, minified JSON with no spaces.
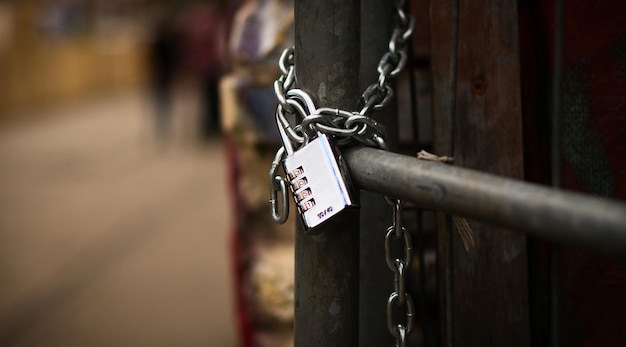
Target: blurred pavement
{"x":108,"y":238}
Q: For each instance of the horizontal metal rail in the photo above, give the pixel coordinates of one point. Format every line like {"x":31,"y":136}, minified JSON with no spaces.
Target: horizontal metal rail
{"x":564,"y":217}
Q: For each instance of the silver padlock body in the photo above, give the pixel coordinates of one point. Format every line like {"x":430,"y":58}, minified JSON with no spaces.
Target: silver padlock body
{"x":317,"y":183}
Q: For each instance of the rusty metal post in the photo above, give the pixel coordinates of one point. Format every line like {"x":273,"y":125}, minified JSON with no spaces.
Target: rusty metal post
{"x":327,"y":264}
{"x":376,"y":280}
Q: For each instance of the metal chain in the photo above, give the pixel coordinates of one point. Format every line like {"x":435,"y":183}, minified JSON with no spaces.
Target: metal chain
{"x":345,"y":127}
{"x":399,"y":298}
{"x":350,"y":126}
{"x":379,"y":94}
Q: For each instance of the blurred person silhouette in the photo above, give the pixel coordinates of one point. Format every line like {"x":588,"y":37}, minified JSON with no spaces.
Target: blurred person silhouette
{"x":263,"y":250}
{"x":164,"y":59}
{"x":204,"y":41}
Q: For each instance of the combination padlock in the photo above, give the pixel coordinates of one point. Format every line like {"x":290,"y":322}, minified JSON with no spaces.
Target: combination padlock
{"x":317,"y":175}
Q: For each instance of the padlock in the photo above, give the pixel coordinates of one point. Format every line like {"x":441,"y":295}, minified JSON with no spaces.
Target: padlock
{"x":317,"y":175}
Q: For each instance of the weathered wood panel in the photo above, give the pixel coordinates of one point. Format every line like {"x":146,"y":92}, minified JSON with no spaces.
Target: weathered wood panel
{"x":490,"y":299}
{"x":477,"y":109}
{"x":444,"y":37}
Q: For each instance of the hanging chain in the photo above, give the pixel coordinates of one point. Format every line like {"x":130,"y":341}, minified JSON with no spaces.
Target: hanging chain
{"x":346,"y":127}
{"x":379,"y":94}
{"x":399,"y":298}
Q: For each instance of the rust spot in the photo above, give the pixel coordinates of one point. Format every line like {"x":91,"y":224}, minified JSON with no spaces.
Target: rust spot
{"x":479,"y":86}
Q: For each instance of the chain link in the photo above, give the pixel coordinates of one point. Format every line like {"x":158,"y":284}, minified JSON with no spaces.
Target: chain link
{"x":375,"y":97}
{"x":399,"y":298}
{"x":379,"y":94}
{"x":346,"y":127}
{"x":278,"y":184}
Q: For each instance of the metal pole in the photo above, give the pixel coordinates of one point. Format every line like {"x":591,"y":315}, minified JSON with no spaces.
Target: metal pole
{"x":376,"y":281}
{"x":327,"y":264}
{"x":565,"y":217}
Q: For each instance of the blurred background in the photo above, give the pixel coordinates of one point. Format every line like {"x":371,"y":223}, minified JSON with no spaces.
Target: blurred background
{"x":119,"y":184}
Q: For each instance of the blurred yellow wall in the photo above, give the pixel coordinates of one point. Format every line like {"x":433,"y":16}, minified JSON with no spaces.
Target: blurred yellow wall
{"x":38,"y":71}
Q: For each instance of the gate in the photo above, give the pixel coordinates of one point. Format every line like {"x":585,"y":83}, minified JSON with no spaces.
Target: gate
{"x":477,"y":229}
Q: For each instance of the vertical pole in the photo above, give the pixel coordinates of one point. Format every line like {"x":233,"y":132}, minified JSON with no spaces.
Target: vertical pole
{"x":376,"y":278}
{"x":327,"y":52}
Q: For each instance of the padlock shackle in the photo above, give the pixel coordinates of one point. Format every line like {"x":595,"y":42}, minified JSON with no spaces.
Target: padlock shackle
{"x":304,"y":106}
{"x":305,"y":98}
{"x":287,"y":144}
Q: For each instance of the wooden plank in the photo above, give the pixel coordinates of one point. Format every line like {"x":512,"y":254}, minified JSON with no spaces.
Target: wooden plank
{"x":444,"y":37}
{"x":490,"y":298}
